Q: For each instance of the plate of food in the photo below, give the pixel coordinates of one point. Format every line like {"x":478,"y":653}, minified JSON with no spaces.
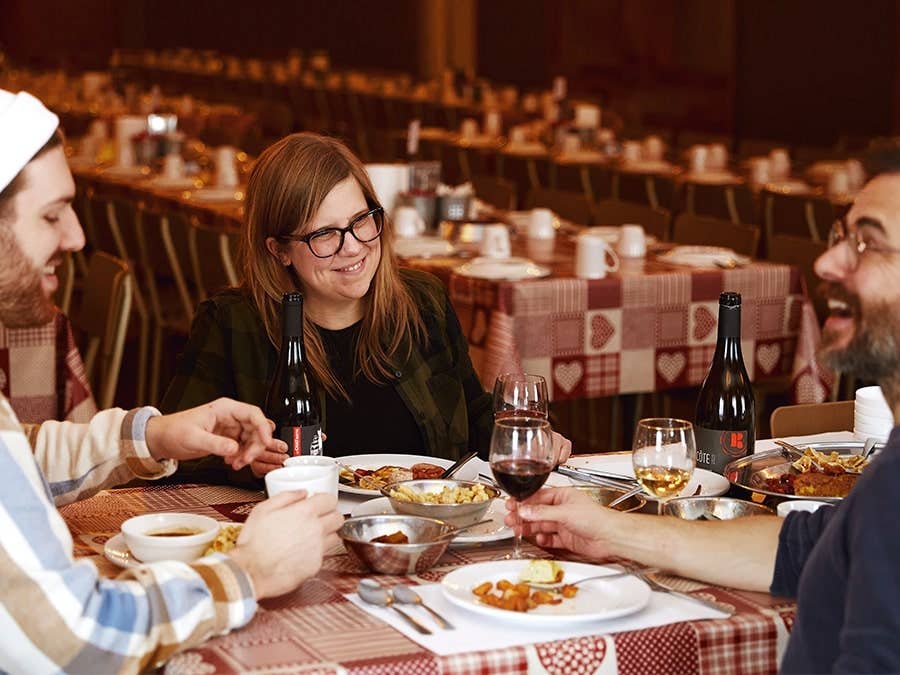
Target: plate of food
{"x":703,"y":483}
{"x":367,"y":474}
{"x":495,"y":530}
{"x":827,"y":471}
{"x":502,"y":590}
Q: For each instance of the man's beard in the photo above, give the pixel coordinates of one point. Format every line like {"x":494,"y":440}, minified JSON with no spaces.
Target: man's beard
{"x":873,"y":353}
{"x":22,"y":300}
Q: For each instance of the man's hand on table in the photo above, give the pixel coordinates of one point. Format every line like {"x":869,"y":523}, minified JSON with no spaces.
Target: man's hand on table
{"x":237,"y":432}
{"x":283,"y":541}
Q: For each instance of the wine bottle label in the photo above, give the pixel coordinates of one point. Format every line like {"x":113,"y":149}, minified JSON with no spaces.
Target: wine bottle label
{"x":306,"y":440}
{"x":717,"y":447}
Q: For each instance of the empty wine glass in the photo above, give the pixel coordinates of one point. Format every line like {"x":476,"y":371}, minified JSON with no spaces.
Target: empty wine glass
{"x":521,"y":459}
{"x":520,"y":395}
{"x":663,"y":457}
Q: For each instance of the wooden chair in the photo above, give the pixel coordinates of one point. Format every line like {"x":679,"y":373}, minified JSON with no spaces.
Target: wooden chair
{"x":727,"y":202}
{"x":526,"y":173}
{"x":572,"y":206}
{"x":103,"y":320}
{"x":811,"y":418}
{"x":801,"y":252}
{"x":210,"y":259}
{"x":800,"y":215}
{"x":692,"y":229}
{"x":573,"y":178}
{"x":614,"y":212}
{"x":643,"y":188}
{"x":498,"y":192}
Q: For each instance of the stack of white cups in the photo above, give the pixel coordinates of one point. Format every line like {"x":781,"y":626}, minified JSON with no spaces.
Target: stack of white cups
{"x":872,"y":417}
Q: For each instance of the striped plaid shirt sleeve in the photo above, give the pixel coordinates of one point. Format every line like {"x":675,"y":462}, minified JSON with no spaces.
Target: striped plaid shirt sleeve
{"x":57,"y":614}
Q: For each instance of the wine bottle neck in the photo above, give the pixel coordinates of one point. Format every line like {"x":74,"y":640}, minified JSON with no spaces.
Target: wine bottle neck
{"x":728,"y":344}
{"x":292,"y":321}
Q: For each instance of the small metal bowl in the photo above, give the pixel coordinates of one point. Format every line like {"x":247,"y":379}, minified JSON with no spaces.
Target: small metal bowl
{"x":420,"y":554}
{"x":713,"y":508}
{"x":455,"y":514}
{"x":604,"y":495}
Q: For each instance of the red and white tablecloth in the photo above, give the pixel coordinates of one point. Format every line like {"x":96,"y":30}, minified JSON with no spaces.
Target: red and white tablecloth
{"x":317,"y":630}
{"x":42,"y":375}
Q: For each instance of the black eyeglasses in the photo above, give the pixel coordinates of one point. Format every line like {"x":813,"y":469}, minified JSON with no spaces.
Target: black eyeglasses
{"x":857,"y":243}
{"x":329,"y":241}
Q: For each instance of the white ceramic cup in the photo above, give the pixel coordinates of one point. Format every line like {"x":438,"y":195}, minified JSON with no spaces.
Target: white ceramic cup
{"x":631,"y":151}
{"x":594,"y":257}
{"x":407,"y":222}
{"x":759,"y":171}
{"x":540,"y":224}
{"x":718,"y":157}
{"x":517,"y":135}
{"x":571,"y":144}
{"x":838,"y":182}
{"x":653,"y":148}
{"x":173,"y":166}
{"x":698,"y":158}
{"x":468,"y":129}
{"x":632,"y":242}
{"x":856,"y":174}
{"x":495,"y":243}
{"x":226,"y":167}
{"x":779,"y":164}
{"x":314,"y":473}
{"x":493,"y":123}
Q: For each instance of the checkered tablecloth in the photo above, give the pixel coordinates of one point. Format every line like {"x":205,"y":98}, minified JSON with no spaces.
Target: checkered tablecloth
{"x":317,"y":630}
{"x":42,"y":375}
{"x":649,"y":328}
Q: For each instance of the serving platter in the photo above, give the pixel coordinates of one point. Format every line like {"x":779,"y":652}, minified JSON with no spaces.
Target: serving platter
{"x":752,"y":471}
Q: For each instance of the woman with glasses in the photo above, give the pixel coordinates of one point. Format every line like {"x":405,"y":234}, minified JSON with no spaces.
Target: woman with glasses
{"x":384,"y":343}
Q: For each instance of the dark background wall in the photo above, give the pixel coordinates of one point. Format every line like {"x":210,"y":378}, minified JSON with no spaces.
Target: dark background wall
{"x":799,"y":70}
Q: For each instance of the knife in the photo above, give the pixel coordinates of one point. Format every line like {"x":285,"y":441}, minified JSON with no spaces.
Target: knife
{"x":458,"y":464}
{"x":595,"y":480}
{"x":601,"y":473}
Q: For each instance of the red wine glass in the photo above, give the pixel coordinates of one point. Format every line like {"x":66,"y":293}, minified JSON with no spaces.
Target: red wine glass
{"x":521,"y":459}
{"x":520,"y":395}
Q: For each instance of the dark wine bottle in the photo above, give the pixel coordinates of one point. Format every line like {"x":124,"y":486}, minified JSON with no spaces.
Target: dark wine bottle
{"x":291,"y":402}
{"x":726,"y":413}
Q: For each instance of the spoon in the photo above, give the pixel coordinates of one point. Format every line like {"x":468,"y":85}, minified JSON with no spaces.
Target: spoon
{"x":369,"y":591}
{"x":625,"y":495}
{"x":560,"y":584}
{"x":407,"y":596}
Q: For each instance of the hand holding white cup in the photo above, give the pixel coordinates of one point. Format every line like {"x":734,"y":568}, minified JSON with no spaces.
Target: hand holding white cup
{"x":594,"y":257}
{"x":314,"y":473}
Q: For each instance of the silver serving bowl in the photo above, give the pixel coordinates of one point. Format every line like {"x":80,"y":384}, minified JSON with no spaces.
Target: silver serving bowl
{"x":713,"y":508}
{"x":605,"y":495}
{"x":420,"y":554}
{"x":455,"y":514}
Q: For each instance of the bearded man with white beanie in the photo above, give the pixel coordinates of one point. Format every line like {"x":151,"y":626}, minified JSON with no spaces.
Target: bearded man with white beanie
{"x":58,"y":614}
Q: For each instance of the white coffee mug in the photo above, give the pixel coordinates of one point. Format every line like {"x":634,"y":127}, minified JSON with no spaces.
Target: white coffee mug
{"x":571,"y":144}
{"x":632,"y":242}
{"x":226,"y":169}
{"x":698,"y":155}
{"x":173,"y":166}
{"x":541,"y":224}
{"x":493,"y":123}
{"x":759,"y":171}
{"x":653,"y":148}
{"x":469,"y":129}
{"x":838,"y":182}
{"x":517,"y":135}
{"x":594,"y":257}
{"x":779,"y":164}
{"x":495,"y":243}
{"x":407,"y":222}
{"x":631,"y":151}
{"x":718,"y":157}
{"x":314,"y":473}
{"x":856,"y":174}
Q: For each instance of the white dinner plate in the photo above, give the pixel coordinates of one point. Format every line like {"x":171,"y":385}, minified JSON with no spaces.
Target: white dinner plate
{"x":492,"y":531}
{"x":704,"y":256}
{"x":509,"y":269}
{"x":376,"y":461}
{"x":116,"y":551}
{"x":711,"y":484}
{"x":423,"y":247}
{"x":216,"y":194}
{"x":595,"y":601}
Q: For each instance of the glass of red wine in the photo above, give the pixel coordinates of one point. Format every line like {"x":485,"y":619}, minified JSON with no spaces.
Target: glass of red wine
{"x":520,"y":395}
{"x":521,"y":459}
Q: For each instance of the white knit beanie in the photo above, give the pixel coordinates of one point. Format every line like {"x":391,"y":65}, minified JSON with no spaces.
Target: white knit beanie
{"x":25,"y":126}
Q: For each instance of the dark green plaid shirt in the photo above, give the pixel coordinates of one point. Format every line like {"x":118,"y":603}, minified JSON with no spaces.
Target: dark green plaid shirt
{"x":229,"y":354}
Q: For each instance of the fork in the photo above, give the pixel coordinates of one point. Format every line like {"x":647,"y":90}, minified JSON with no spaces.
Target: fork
{"x":656,"y":586}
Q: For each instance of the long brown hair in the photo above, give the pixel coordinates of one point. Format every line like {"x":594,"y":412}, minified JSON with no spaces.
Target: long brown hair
{"x":286,"y":188}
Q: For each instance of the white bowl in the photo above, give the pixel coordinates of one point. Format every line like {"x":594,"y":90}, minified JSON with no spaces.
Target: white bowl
{"x":789,"y":505}
{"x":148,"y":547}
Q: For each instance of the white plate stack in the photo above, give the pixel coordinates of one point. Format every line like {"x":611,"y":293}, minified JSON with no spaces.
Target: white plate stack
{"x":872,"y":417}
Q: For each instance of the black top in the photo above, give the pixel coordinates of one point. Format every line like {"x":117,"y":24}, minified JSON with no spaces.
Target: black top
{"x":842,"y":563}
{"x":375,"y":419}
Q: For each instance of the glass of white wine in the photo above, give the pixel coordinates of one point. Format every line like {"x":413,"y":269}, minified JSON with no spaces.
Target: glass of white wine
{"x":663,"y":457}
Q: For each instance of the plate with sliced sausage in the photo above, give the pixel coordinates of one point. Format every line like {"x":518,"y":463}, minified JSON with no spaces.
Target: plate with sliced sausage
{"x":367,"y":474}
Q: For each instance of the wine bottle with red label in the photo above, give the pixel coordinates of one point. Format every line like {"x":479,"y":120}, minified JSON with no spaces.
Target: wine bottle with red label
{"x":291,"y":402}
{"x":725,"y":426}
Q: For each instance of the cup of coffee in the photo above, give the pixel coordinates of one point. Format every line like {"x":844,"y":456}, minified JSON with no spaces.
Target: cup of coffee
{"x":759,"y":171}
{"x":407,"y":222}
{"x":571,"y":144}
{"x":495,"y":243}
{"x":493,"y":123}
{"x":779,"y":164}
{"x":632,"y":242}
{"x":173,"y":166}
{"x":718,"y":157}
{"x":653,"y":148}
{"x":594,"y":257}
{"x":313,"y":473}
{"x":517,"y":135}
{"x":541,"y":224}
{"x":468,"y":129}
{"x":631,"y":151}
{"x":698,"y":156}
{"x":839,"y":182}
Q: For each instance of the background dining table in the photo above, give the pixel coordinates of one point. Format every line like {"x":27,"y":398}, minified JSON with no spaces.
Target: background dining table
{"x":318,"y":629}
